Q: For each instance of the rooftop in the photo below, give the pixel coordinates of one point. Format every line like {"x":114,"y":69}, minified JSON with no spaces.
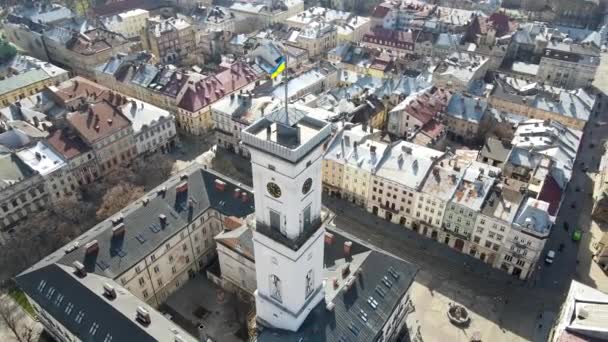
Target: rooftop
{"x":502,"y":203}
{"x":584,"y":314}
{"x":442,"y":180}
{"x":536,"y":138}
{"x":533,"y":216}
{"x":158,"y":26}
{"x":181,"y":200}
{"x":202,"y":92}
{"x":99,"y":121}
{"x":408,"y":164}
{"x":476,"y":182}
{"x":467,"y":108}
{"x":67,"y":144}
{"x":289,"y":132}
{"x":143,"y":115}
{"x":80,"y":305}
{"x":245,"y":109}
{"x":95,"y":41}
{"x":360,"y":311}
{"x":41,"y":158}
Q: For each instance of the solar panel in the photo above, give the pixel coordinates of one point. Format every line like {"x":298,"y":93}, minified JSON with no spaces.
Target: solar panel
{"x":154,"y":228}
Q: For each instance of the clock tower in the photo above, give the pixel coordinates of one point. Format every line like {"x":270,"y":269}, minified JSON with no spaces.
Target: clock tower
{"x":286,"y":149}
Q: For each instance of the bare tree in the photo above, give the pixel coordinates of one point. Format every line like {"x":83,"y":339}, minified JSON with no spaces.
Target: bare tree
{"x":12,"y":317}
{"x":117,"y":198}
{"x":153,"y":170}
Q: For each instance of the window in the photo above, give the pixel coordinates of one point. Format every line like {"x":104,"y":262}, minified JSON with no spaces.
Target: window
{"x":173,"y":269}
{"x":142,"y":281}
{"x":508,"y":258}
{"x":145,"y":294}
{"x":521,"y":263}
{"x":156,"y":269}
{"x":160,"y":281}
{"x":491,"y":235}
{"x":184,"y":247}
{"x":137,"y":269}
{"x":488,"y":244}
{"x":170,"y":258}
{"x":499,"y":237}
{"x":496,"y":247}
{"x":482,"y":221}
{"x":168,"y":246}
{"x":480,"y":229}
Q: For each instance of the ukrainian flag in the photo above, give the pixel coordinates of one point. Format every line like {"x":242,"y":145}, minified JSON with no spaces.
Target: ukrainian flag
{"x":279,"y":68}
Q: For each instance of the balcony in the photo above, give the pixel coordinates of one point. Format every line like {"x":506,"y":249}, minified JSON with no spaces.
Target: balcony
{"x":293,"y":244}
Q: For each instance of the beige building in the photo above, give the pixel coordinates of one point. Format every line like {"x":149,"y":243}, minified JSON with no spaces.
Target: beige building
{"x":568,"y":65}
{"x":170,"y":40}
{"x":200,"y":92}
{"x":394,"y":192}
{"x":572,"y":108}
{"x":236,"y":257}
{"x":129,"y":23}
{"x":79,"y":157}
{"x":350,"y":27}
{"x":27,"y":76}
{"x":317,"y":38}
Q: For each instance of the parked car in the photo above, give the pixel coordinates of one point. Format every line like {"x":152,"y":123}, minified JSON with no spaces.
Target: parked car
{"x":550,"y":256}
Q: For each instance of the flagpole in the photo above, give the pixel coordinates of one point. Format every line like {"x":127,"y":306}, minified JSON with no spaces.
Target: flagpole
{"x":286,"y":83}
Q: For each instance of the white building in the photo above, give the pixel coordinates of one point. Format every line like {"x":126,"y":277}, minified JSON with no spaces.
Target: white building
{"x":50,"y":165}
{"x":286,"y":158}
{"x":129,"y":23}
{"x":153,"y":127}
{"x":351,"y":28}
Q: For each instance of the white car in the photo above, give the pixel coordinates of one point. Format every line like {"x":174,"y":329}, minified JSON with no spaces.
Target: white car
{"x":550,"y":257}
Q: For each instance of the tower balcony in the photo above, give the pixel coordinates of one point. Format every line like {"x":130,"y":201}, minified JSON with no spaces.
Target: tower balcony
{"x":293,"y":244}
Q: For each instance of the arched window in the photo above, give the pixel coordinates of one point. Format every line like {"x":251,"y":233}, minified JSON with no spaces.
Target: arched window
{"x":275,"y":288}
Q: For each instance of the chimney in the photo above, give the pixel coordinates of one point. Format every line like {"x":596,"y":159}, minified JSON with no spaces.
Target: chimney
{"x":92,"y":247}
{"x":110,"y":122}
{"x":219,"y":185}
{"x":202,"y":336}
{"x":162,"y":191}
{"x":237,"y":193}
{"x":142,"y":316}
{"x":329,"y":238}
{"x":346,"y":270}
{"x":118,"y":230}
{"x":182,"y":187}
{"x":79,"y":268}
{"x":163,"y":220}
{"x":109,"y":291}
{"x":268,"y":132}
{"x":347,"y":247}
{"x":335,"y":282}
{"x":244,"y":197}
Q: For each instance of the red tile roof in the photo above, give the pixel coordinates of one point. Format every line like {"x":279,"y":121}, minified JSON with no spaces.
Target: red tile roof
{"x":208,"y":90}
{"x":100,"y":121}
{"x":69,"y":146}
{"x":80,"y":88}
{"x":380,"y":11}
{"x":433,"y":129}
{"x":551,"y":193}
{"x":426,"y":105}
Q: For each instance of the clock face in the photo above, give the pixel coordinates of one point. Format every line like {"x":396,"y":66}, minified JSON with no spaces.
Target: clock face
{"x":307,"y":185}
{"x":273,"y":189}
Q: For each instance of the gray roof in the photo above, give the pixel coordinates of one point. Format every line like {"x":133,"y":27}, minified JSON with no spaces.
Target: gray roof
{"x":466,"y":108}
{"x":143,"y":231}
{"x":344,"y":322}
{"x":79,"y":305}
{"x":496,"y":149}
{"x":22,"y":80}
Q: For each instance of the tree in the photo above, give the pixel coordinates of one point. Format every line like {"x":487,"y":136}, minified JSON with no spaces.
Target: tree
{"x":7,"y":51}
{"x":153,"y":170}
{"x":117,"y":198}
{"x":12,"y":317}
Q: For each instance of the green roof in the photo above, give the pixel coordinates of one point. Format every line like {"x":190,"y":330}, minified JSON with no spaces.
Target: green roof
{"x":22,"y":80}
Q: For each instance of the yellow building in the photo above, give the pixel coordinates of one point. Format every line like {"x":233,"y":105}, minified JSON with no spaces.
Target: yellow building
{"x":30,"y":80}
{"x":194,"y":105}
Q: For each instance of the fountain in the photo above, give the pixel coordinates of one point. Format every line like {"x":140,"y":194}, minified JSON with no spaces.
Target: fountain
{"x":458,"y":315}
